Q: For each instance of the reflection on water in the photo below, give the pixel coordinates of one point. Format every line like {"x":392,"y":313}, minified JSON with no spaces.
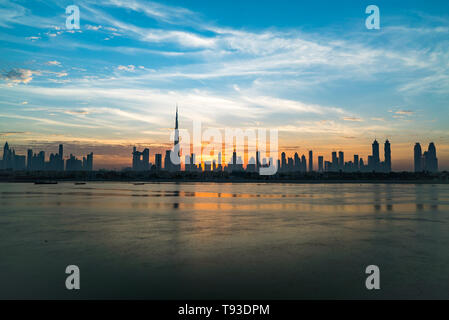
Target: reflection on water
{"x":208,"y":240}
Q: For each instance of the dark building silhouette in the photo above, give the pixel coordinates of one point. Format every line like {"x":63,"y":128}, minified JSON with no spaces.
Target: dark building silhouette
{"x":320,"y":163}
{"x":303,"y":164}
{"x":11,"y":160}
{"x":430,"y":159}
{"x":418,"y":157}
{"x":375,"y":158}
{"x":75,"y":164}
{"x":341,"y":160}
{"x":387,"y":153}
{"x":427,"y":161}
{"x":297,"y":162}
{"x":334,"y":163}
{"x":356,"y":162}
{"x":168,"y":163}
{"x":283,"y":161}
{"x":141,"y":160}
{"x":310,"y":161}
{"x":158,"y":161}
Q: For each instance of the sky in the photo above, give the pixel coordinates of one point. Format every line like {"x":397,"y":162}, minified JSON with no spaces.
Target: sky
{"x":310,"y":69}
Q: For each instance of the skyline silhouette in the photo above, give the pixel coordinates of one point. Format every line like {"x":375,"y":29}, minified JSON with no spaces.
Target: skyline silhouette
{"x":423,"y":162}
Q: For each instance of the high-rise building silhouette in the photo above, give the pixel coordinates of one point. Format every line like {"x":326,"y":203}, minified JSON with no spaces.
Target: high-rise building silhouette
{"x":284,"y":161}
{"x":303,"y":163}
{"x":320,"y":163}
{"x":341,"y":160}
{"x":310,"y":160}
{"x":90,"y":162}
{"x":356,"y":162}
{"x":387,"y":154}
{"x":417,"y":152}
{"x":297,"y":161}
{"x":375,"y":156}
{"x":334,"y":164}
{"x":141,"y":160}
{"x":430,"y":159}
{"x":29,"y":158}
{"x":158,"y":161}
{"x":167,"y":161}
{"x":176,"y":147}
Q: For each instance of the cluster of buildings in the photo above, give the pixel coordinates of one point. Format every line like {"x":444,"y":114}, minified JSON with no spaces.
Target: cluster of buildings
{"x":423,"y":162}
{"x":427,"y":161}
{"x":37,"y":162}
{"x":338,"y":163}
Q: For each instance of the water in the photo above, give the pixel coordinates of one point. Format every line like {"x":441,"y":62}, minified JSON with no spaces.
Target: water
{"x":236,"y":241}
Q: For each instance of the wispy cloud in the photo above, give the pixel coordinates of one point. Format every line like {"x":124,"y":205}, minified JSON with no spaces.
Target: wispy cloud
{"x":19,"y":75}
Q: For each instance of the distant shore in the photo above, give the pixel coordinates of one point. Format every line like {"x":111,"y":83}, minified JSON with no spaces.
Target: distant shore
{"x":138,"y":177}
{"x":275,"y":181}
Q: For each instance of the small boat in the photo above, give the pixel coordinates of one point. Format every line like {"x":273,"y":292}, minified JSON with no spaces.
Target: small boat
{"x":79,"y":183}
{"x":45,"y":182}
{"x":139,"y":183}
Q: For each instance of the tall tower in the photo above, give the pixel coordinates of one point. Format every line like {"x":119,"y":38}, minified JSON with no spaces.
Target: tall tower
{"x":431,"y":161}
{"x":376,"y":158}
{"x":418,"y":157}
{"x":341,"y":160}
{"x":176,"y":142}
{"x":176,"y":167}
{"x":387,"y":152}
{"x":234,"y":157}
{"x":310,"y":160}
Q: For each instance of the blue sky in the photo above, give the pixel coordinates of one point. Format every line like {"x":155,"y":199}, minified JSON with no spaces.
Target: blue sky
{"x":310,"y":69}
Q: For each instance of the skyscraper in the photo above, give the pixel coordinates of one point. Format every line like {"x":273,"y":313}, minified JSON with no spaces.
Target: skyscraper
{"x":167,"y":160}
{"x":341,"y":160}
{"x":176,"y":166}
{"x":418,"y":157}
{"x":310,"y":161}
{"x":158,"y":161}
{"x":303,"y":163}
{"x":297,"y":162}
{"x":141,"y":160}
{"x":29,"y":158}
{"x":334,"y":161}
{"x":387,"y":153}
{"x":90,"y":162}
{"x":430,"y":159}
{"x":375,"y":156}
{"x":320,"y":163}
{"x":284,"y":161}
{"x":356,"y":162}
{"x":61,"y":158}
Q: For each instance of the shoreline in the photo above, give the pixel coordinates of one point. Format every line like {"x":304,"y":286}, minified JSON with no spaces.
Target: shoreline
{"x":231,"y":181}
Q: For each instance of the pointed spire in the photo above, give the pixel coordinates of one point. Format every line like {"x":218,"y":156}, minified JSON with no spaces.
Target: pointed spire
{"x":176,"y":124}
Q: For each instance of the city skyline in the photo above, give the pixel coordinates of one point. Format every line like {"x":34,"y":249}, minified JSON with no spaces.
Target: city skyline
{"x":426,"y":161}
{"x":318,"y":76}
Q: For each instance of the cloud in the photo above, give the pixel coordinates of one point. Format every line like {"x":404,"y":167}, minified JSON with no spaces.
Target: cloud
{"x":54,"y":63}
{"x":77,"y":112}
{"x":13,"y":133}
{"x":19,"y":75}
{"x":95,"y":28}
{"x":404,"y":112}
{"x":61,"y":74}
{"x":355,"y":119}
{"x":129,"y":68}
{"x":33,"y":38}
{"x":155,"y":10}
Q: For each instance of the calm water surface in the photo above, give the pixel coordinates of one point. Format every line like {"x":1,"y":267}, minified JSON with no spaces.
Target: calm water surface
{"x":209,"y":240}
